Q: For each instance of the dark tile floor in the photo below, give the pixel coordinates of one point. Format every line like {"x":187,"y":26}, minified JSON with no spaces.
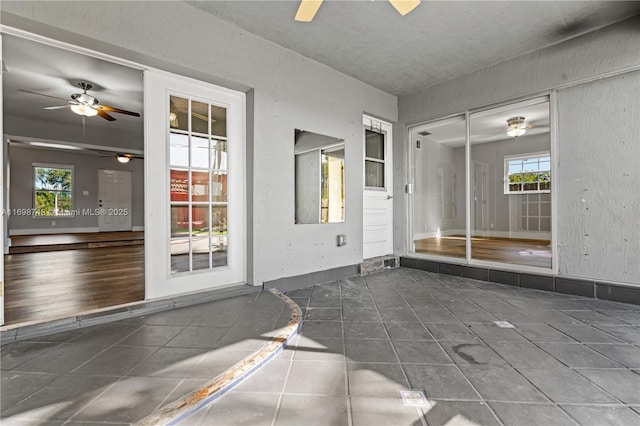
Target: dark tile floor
{"x":567,"y":360}
{"x":119,"y":373}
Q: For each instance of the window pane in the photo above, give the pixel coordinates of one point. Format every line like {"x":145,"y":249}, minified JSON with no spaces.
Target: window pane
{"x":52,"y":203}
{"x":179,"y":221}
{"x":199,"y":117}
{"x":200,"y":186}
{"x":178,"y":113}
{"x":179,"y":185}
{"x":53,"y":191}
{"x":219,"y":245}
{"x":178,"y":150}
{"x":179,"y":255}
{"x":530,"y":165}
{"x":199,"y":152}
{"x":219,"y":220}
{"x":439,"y":192}
{"x":515,"y":166}
{"x":374,"y":145}
{"x":218,"y":121}
{"x":200,"y":250}
{"x":219,"y":155}
{"x":218,"y":186}
{"x":374,"y":174}
{"x":200,"y":237}
{"x":200,"y":221}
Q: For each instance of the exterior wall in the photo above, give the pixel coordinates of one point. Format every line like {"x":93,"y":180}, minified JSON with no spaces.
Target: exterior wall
{"x":288,"y":91}
{"x":599,"y":190}
{"x":85,"y":178}
{"x":595,"y":126}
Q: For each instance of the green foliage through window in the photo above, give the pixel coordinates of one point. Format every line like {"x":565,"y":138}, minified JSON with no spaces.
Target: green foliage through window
{"x":528,"y":174}
{"x":53,"y":189}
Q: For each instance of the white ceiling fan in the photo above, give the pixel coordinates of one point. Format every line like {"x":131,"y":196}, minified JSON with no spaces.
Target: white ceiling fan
{"x":308,"y":8}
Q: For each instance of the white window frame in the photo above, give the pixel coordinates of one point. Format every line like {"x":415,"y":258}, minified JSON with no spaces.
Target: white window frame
{"x":528,"y":156}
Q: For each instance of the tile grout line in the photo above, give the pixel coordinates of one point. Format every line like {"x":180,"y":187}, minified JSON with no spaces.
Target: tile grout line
{"x":456,"y":366}
{"x":276,"y":414}
{"x":344,"y":360}
{"x":420,"y":412}
{"x":182,"y":408}
{"x":558,"y":405}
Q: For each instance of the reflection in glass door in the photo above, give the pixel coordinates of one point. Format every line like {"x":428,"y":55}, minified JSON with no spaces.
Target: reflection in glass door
{"x":511,"y":184}
{"x":198,"y":185}
{"x":508,"y":200}
{"x":439,"y":187}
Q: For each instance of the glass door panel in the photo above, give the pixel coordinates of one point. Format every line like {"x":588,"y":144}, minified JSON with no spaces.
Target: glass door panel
{"x":438,"y":158}
{"x":511,"y":185}
{"x":198,"y":185}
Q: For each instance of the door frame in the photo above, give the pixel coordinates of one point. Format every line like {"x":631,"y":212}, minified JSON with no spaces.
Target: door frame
{"x":386,"y":194}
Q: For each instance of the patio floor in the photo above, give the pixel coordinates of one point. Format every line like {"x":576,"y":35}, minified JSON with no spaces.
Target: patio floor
{"x":567,"y":360}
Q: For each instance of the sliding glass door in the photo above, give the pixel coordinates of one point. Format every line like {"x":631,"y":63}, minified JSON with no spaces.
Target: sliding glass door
{"x":482,"y":188}
{"x":438,"y":150}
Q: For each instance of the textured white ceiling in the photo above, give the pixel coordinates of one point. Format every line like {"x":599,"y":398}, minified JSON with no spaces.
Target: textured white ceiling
{"x":55,"y":72}
{"x":438,"y":41}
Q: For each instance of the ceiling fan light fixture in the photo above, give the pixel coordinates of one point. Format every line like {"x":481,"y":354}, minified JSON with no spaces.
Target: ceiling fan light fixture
{"x":85,"y":110}
{"x":173,"y":120}
{"x":516,"y":127}
{"x":124,"y":159}
{"x":307,"y":10}
{"x":404,"y":6}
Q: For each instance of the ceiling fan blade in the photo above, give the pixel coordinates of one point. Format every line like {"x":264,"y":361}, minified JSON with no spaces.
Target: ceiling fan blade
{"x":42,"y":94}
{"x":104,"y":115}
{"x":307,"y":10}
{"x":404,"y":6}
{"x":58,"y":106}
{"x":202,"y":117}
{"x":113,"y":109}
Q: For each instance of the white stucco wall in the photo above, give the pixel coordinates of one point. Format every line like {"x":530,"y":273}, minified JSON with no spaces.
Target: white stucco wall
{"x":594,"y":127}
{"x":289,"y":91}
{"x":599,"y":172}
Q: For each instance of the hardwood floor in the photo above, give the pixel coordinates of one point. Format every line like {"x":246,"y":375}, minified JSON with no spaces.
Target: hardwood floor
{"x":506,"y":250}
{"x":47,"y":285}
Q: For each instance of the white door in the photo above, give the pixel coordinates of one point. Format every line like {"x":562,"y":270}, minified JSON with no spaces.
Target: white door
{"x":114,"y":200}
{"x":195,"y":185}
{"x":378,"y":189}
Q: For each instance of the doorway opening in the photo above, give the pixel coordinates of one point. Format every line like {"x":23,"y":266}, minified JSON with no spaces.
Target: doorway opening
{"x":74,"y":182}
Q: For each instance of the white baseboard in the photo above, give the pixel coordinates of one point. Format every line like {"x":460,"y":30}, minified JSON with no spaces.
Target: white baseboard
{"x":137,"y":228}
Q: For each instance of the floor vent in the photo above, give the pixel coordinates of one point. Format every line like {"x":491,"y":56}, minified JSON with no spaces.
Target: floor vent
{"x":414,"y":398}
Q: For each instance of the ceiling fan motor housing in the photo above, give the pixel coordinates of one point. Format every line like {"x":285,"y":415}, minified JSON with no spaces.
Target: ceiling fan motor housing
{"x":84,"y":99}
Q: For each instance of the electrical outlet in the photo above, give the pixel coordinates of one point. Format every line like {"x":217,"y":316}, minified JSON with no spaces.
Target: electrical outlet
{"x":53,"y":223}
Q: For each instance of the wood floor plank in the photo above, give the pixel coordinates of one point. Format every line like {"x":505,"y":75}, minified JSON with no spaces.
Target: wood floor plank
{"x":46,"y":285}
{"x":505,"y":250}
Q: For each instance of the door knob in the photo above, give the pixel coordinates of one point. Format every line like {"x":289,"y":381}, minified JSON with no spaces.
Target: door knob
{"x":389,"y":197}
